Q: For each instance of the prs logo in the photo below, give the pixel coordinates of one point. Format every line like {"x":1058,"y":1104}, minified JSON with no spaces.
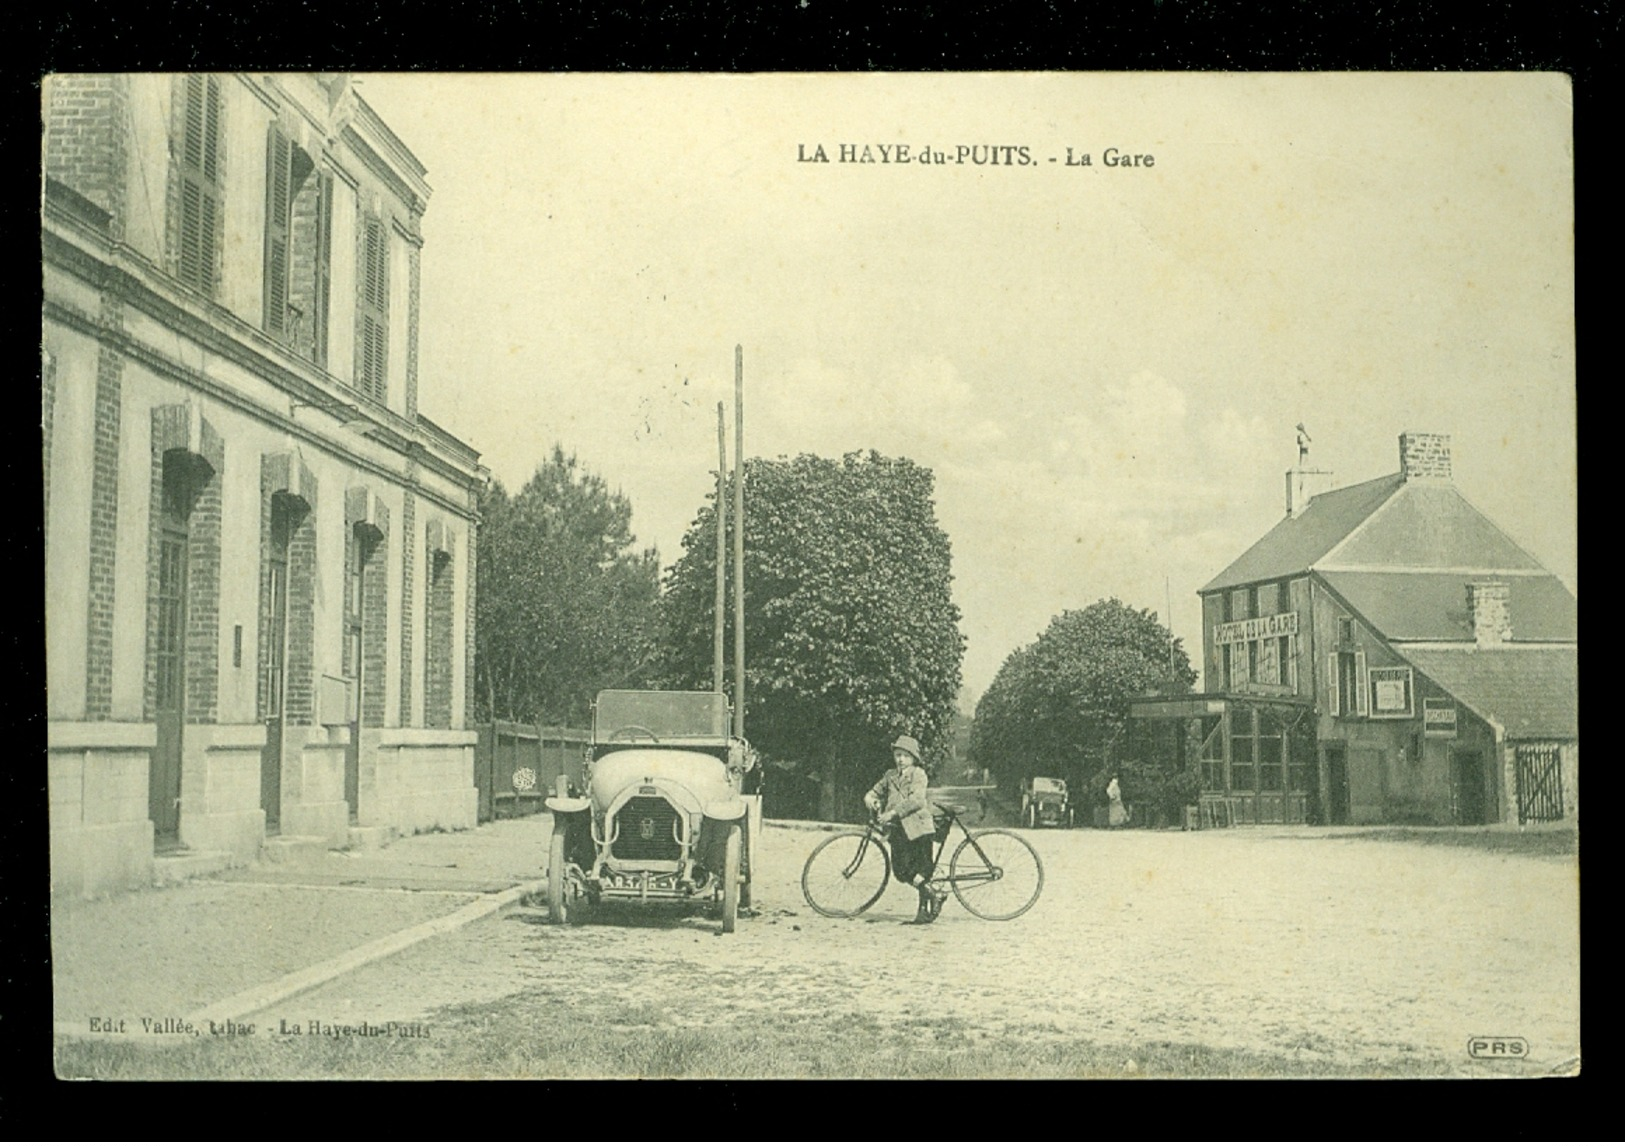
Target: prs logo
{"x":1497,"y":1046}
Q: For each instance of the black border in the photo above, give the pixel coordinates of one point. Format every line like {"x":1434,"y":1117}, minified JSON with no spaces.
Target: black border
{"x":1579,"y":39}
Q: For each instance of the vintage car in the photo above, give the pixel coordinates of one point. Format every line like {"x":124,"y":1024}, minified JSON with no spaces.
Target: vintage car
{"x":662,"y":813}
{"x":1044,"y":803}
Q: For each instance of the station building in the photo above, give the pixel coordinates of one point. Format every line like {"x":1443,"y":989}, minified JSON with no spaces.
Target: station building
{"x":1384,"y":654}
{"x":259,"y":553}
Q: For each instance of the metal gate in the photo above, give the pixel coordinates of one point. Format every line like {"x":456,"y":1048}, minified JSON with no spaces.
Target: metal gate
{"x":1540,"y":782}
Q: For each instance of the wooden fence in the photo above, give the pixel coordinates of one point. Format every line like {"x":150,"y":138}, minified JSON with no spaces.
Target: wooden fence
{"x":515,"y":765}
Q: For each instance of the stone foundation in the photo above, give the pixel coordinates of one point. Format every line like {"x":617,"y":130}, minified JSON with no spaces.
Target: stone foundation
{"x":313,"y":783}
{"x":101,"y":838}
{"x":220,"y":789}
{"x":416,"y":779}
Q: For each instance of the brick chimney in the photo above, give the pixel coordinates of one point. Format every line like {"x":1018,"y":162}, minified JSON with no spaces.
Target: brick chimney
{"x":1489,"y":612}
{"x":1424,"y":455}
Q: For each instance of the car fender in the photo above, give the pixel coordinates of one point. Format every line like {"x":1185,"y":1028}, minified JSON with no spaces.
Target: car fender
{"x":565,"y":805}
{"x":725,"y":808}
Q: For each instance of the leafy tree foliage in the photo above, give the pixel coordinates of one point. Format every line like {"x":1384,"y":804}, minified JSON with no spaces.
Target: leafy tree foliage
{"x":851,"y":633}
{"x":1058,"y":706}
{"x":565,"y":606}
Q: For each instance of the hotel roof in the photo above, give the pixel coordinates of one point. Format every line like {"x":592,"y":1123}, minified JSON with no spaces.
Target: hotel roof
{"x":1532,"y":693}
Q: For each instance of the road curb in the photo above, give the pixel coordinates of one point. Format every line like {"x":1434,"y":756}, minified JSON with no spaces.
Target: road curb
{"x":246,"y":1003}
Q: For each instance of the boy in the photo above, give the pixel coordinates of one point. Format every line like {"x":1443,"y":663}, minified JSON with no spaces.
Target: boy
{"x":898,"y":802}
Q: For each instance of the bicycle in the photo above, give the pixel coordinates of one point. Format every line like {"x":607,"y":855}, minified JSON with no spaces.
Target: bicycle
{"x":995,"y":874}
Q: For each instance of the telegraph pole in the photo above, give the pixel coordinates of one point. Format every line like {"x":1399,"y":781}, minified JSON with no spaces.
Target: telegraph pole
{"x":1168,"y":596}
{"x":722,"y":552}
{"x":739,"y":541}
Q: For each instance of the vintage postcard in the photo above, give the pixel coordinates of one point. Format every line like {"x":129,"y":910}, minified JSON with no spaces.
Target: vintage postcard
{"x":811,"y":576}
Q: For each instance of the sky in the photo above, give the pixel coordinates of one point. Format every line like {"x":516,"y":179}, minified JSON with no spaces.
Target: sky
{"x":1102,"y":365}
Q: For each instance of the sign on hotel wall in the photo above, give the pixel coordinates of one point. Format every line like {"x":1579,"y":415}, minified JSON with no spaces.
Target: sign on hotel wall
{"x":1258,"y":628}
{"x":1391,"y":692}
{"x":1438,"y":717}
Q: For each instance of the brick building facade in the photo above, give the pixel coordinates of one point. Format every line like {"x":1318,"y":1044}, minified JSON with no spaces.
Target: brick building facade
{"x":259,"y":554}
{"x":1385,"y":654}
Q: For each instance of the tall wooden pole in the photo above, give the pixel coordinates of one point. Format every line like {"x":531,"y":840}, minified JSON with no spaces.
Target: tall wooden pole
{"x":1168,"y":597}
{"x":739,"y":541}
{"x":722,"y":552}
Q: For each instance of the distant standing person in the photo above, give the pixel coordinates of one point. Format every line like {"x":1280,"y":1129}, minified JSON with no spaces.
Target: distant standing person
{"x":899,"y":803}
{"x":1118,"y":815}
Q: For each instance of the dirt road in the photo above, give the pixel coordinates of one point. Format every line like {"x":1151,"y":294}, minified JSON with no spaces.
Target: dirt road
{"x":1323,"y":946}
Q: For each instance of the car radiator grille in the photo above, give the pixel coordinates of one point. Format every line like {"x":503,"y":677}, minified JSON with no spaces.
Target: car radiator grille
{"x":646,"y":830}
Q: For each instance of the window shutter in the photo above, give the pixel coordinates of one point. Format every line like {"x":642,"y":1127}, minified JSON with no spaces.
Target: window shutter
{"x":199,"y":174}
{"x":211,"y":130}
{"x":1362,"y":697}
{"x":324,"y":265}
{"x":1334,"y":686}
{"x":278,"y":181}
{"x":196,"y":122}
{"x":191,"y":238}
{"x":374,"y":309}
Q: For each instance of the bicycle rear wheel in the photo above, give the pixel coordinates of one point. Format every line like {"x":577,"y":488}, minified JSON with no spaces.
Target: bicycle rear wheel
{"x":996,"y":874}
{"x":845,"y":874}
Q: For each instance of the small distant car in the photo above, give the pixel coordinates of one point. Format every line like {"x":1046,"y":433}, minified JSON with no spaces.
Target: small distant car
{"x":663,"y":815}
{"x":1044,"y":803}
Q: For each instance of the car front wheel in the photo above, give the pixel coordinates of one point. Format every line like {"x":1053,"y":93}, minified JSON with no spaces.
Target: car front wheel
{"x":732,"y":850}
{"x":558,"y":905}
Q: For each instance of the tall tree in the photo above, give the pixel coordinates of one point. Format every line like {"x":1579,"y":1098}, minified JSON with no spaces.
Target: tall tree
{"x":566,"y":603}
{"x":1058,"y":706}
{"x":851,"y":633}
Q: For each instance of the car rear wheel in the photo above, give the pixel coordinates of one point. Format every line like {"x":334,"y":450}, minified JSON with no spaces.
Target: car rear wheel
{"x":732,"y":848}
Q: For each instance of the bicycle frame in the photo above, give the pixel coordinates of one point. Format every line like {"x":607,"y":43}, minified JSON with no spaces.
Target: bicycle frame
{"x":988,"y":873}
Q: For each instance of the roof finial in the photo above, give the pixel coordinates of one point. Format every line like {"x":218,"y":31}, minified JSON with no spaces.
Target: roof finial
{"x":1303,"y":444}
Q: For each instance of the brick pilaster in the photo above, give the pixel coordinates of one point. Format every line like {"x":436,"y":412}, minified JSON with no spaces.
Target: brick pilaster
{"x":468,"y":628}
{"x":203,"y":589}
{"x":268,"y":483}
{"x":408,"y":619}
{"x":375,"y":625}
{"x":104,"y":525}
{"x":441,"y":569}
{"x":300,"y":701}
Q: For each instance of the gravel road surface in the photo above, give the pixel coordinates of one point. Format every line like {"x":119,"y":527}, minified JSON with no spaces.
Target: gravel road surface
{"x":1319,"y":944}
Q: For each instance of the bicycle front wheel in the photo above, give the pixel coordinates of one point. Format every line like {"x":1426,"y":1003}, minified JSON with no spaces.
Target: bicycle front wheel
{"x":996,"y":874}
{"x":845,"y":874}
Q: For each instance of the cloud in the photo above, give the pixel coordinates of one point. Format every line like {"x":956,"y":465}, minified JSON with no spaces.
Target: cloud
{"x":920,"y":407}
{"x":1134,"y":495}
